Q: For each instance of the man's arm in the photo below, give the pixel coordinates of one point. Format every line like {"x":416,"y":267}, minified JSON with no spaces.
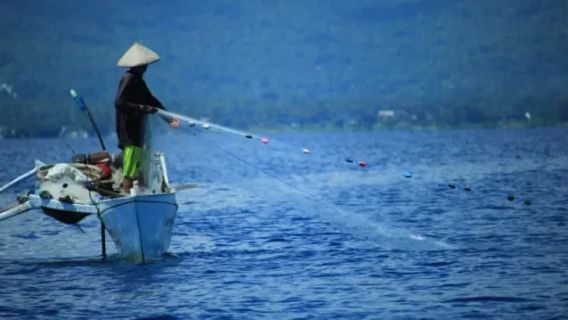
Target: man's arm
{"x":154,"y":102}
{"x":122,"y":101}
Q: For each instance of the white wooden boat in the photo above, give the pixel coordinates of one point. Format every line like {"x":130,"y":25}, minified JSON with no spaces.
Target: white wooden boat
{"x":140,"y":224}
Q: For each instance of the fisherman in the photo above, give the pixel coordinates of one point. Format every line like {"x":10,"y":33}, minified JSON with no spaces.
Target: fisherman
{"x":133,"y":102}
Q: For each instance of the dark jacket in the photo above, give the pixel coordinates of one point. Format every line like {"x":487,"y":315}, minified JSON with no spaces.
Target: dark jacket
{"x":132,"y":95}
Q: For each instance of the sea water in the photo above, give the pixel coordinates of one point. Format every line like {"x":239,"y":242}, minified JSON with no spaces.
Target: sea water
{"x":438,"y":225}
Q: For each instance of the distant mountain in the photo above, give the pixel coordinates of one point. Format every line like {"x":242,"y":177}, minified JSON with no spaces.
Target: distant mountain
{"x":273,"y":63}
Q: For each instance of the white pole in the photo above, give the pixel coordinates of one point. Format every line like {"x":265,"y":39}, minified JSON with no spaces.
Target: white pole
{"x":205,"y":124}
{"x":28,"y":174}
{"x":18,"y":179}
{"x":24,"y":176}
{"x":16,"y":210}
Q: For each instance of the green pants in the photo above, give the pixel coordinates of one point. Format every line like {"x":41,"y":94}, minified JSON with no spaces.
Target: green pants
{"x":131,"y":162}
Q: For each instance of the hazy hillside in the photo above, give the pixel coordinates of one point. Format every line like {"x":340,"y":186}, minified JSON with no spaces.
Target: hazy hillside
{"x":271,"y":63}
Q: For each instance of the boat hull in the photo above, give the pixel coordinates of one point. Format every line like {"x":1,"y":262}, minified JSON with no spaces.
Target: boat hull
{"x":140,"y":226}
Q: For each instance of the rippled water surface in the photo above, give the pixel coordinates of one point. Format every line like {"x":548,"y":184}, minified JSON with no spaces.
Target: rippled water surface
{"x":439,"y":225}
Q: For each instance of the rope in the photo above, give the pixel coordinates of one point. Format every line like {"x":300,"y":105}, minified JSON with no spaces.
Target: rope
{"x":103,"y":235}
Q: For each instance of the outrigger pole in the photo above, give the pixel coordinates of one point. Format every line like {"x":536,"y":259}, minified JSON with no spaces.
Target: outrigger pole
{"x":23,"y":176}
{"x":80,"y":103}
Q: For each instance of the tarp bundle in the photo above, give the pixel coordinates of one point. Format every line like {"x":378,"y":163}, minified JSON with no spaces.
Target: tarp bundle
{"x":77,"y":172}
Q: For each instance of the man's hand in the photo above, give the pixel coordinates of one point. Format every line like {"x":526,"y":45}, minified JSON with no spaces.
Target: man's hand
{"x":174,"y":123}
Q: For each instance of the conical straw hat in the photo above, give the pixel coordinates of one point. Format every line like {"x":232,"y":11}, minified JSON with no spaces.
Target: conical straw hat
{"x":137,"y":55}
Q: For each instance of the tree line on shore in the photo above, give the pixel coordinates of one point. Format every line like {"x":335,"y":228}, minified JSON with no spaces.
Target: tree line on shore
{"x":291,"y":65}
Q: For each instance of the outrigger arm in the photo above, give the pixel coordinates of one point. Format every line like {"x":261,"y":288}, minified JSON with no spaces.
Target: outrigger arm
{"x":22,"y":207}
{"x":52,"y":207}
{"x":16,"y":210}
{"x":26,"y":175}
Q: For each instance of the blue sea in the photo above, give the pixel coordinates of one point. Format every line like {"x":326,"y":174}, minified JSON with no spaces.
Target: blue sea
{"x":436,"y":225}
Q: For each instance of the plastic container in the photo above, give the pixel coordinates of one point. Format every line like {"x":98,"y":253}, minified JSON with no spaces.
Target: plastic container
{"x":135,"y":188}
